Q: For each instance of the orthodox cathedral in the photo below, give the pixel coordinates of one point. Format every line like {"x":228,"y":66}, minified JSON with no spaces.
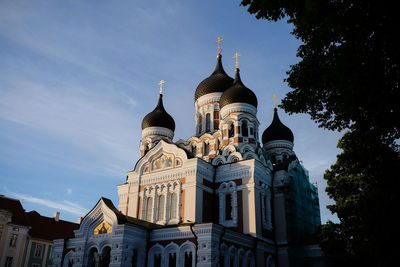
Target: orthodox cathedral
{"x":219,"y":198}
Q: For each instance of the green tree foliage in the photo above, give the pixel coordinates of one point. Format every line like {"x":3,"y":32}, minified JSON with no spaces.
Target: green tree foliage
{"x":348,"y":79}
{"x":364,"y":184}
{"x":349,"y":68}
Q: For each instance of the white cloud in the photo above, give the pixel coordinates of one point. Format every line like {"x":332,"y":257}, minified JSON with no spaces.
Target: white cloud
{"x":103,"y":127}
{"x":69,"y":191}
{"x":65,"y":205}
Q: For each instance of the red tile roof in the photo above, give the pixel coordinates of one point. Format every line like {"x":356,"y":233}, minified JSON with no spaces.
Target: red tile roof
{"x":41,"y":227}
{"x":48,"y":228}
{"x":14,"y":206}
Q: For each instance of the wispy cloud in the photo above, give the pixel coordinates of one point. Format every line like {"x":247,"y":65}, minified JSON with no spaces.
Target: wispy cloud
{"x":98,"y":126}
{"x":65,"y":205}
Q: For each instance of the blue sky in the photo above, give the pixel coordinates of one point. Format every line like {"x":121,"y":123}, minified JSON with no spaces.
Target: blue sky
{"x":77,"y":77}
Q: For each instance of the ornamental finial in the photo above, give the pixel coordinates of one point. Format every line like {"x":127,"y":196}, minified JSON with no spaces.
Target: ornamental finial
{"x":237,"y":55}
{"x":160,"y":84}
{"x":219,"y":40}
{"x":274,"y":96}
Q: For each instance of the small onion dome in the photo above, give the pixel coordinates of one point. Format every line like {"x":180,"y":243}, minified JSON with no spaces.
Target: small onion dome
{"x":238,"y":93}
{"x":277,"y":131}
{"x":159,"y":117}
{"x":218,"y":81}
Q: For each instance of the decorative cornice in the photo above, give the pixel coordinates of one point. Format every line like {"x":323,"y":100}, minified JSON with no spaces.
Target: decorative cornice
{"x":276,"y":144}
{"x":207,"y":99}
{"x":158,"y":131}
{"x":238,"y":107}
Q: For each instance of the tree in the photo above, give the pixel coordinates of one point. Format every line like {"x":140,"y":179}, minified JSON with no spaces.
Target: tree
{"x":348,"y":79}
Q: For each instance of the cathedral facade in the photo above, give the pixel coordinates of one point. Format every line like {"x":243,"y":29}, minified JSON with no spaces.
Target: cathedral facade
{"x":219,"y":198}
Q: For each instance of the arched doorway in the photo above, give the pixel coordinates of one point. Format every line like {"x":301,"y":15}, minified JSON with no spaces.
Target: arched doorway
{"x":105,"y":256}
{"x":93,"y":259}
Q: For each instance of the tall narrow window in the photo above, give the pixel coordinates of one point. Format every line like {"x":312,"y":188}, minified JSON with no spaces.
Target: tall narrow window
{"x":245,"y":130}
{"x":194,"y":149}
{"x":231,"y":130}
{"x":13,"y":240}
{"x":188,"y":259}
{"x":146,"y":148}
{"x":208,"y":122}
{"x":206,"y":149}
{"x":228,"y":207}
{"x":172,"y":260}
{"x":172,"y":207}
{"x":38,"y":251}
{"x":157,"y":260}
{"x":231,"y":260}
{"x":1,"y":230}
{"x":9,"y":261}
{"x":265,"y":209}
{"x":200,"y":124}
{"x":160,"y":206}
{"x":134,"y":257}
{"x":149,"y":207}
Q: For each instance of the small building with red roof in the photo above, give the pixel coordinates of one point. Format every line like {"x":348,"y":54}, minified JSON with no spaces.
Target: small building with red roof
{"x":26,"y":238}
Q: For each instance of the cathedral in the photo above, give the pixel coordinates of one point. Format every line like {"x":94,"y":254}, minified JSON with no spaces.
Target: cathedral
{"x":219,"y":198}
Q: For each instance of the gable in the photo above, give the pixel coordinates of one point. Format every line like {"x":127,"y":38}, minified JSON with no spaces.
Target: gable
{"x":101,"y":216}
{"x":163,"y":156}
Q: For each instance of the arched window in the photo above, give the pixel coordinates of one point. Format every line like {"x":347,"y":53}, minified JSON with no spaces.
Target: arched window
{"x":172,"y":260}
{"x":231,"y":130}
{"x":149,"y":207}
{"x":188,"y":259}
{"x":208,"y":123}
{"x":270,"y":261}
{"x":146,"y":148}
{"x":157,"y":260}
{"x":228,"y":207}
{"x":194,"y":149}
{"x":245,"y":130}
{"x":206,"y":149}
{"x":134,"y":258}
{"x":172,"y":207}
{"x":160,"y":206}
{"x":266,"y":207}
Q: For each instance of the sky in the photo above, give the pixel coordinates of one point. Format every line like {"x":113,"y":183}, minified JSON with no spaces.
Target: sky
{"x":77,"y":78}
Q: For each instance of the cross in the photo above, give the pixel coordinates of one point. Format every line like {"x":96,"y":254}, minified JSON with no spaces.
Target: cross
{"x":219,"y":40}
{"x":237,"y":55}
{"x":274,"y":96}
{"x":160,"y":84}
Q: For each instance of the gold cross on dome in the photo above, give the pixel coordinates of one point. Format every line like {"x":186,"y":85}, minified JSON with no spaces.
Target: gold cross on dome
{"x":237,"y":55}
{"x":274,"y":96}
{"x":219,"y":40}
{"x":160,"y":84}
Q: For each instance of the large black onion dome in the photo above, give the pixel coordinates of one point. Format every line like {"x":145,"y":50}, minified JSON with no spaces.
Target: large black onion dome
{"x":277,"y":131}
{"x":238,"y":93}
{"x":218,"y":81}
{"x":159,"y":117}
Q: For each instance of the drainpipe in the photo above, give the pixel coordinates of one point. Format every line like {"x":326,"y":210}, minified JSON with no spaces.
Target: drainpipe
{"x":196,"y":243}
